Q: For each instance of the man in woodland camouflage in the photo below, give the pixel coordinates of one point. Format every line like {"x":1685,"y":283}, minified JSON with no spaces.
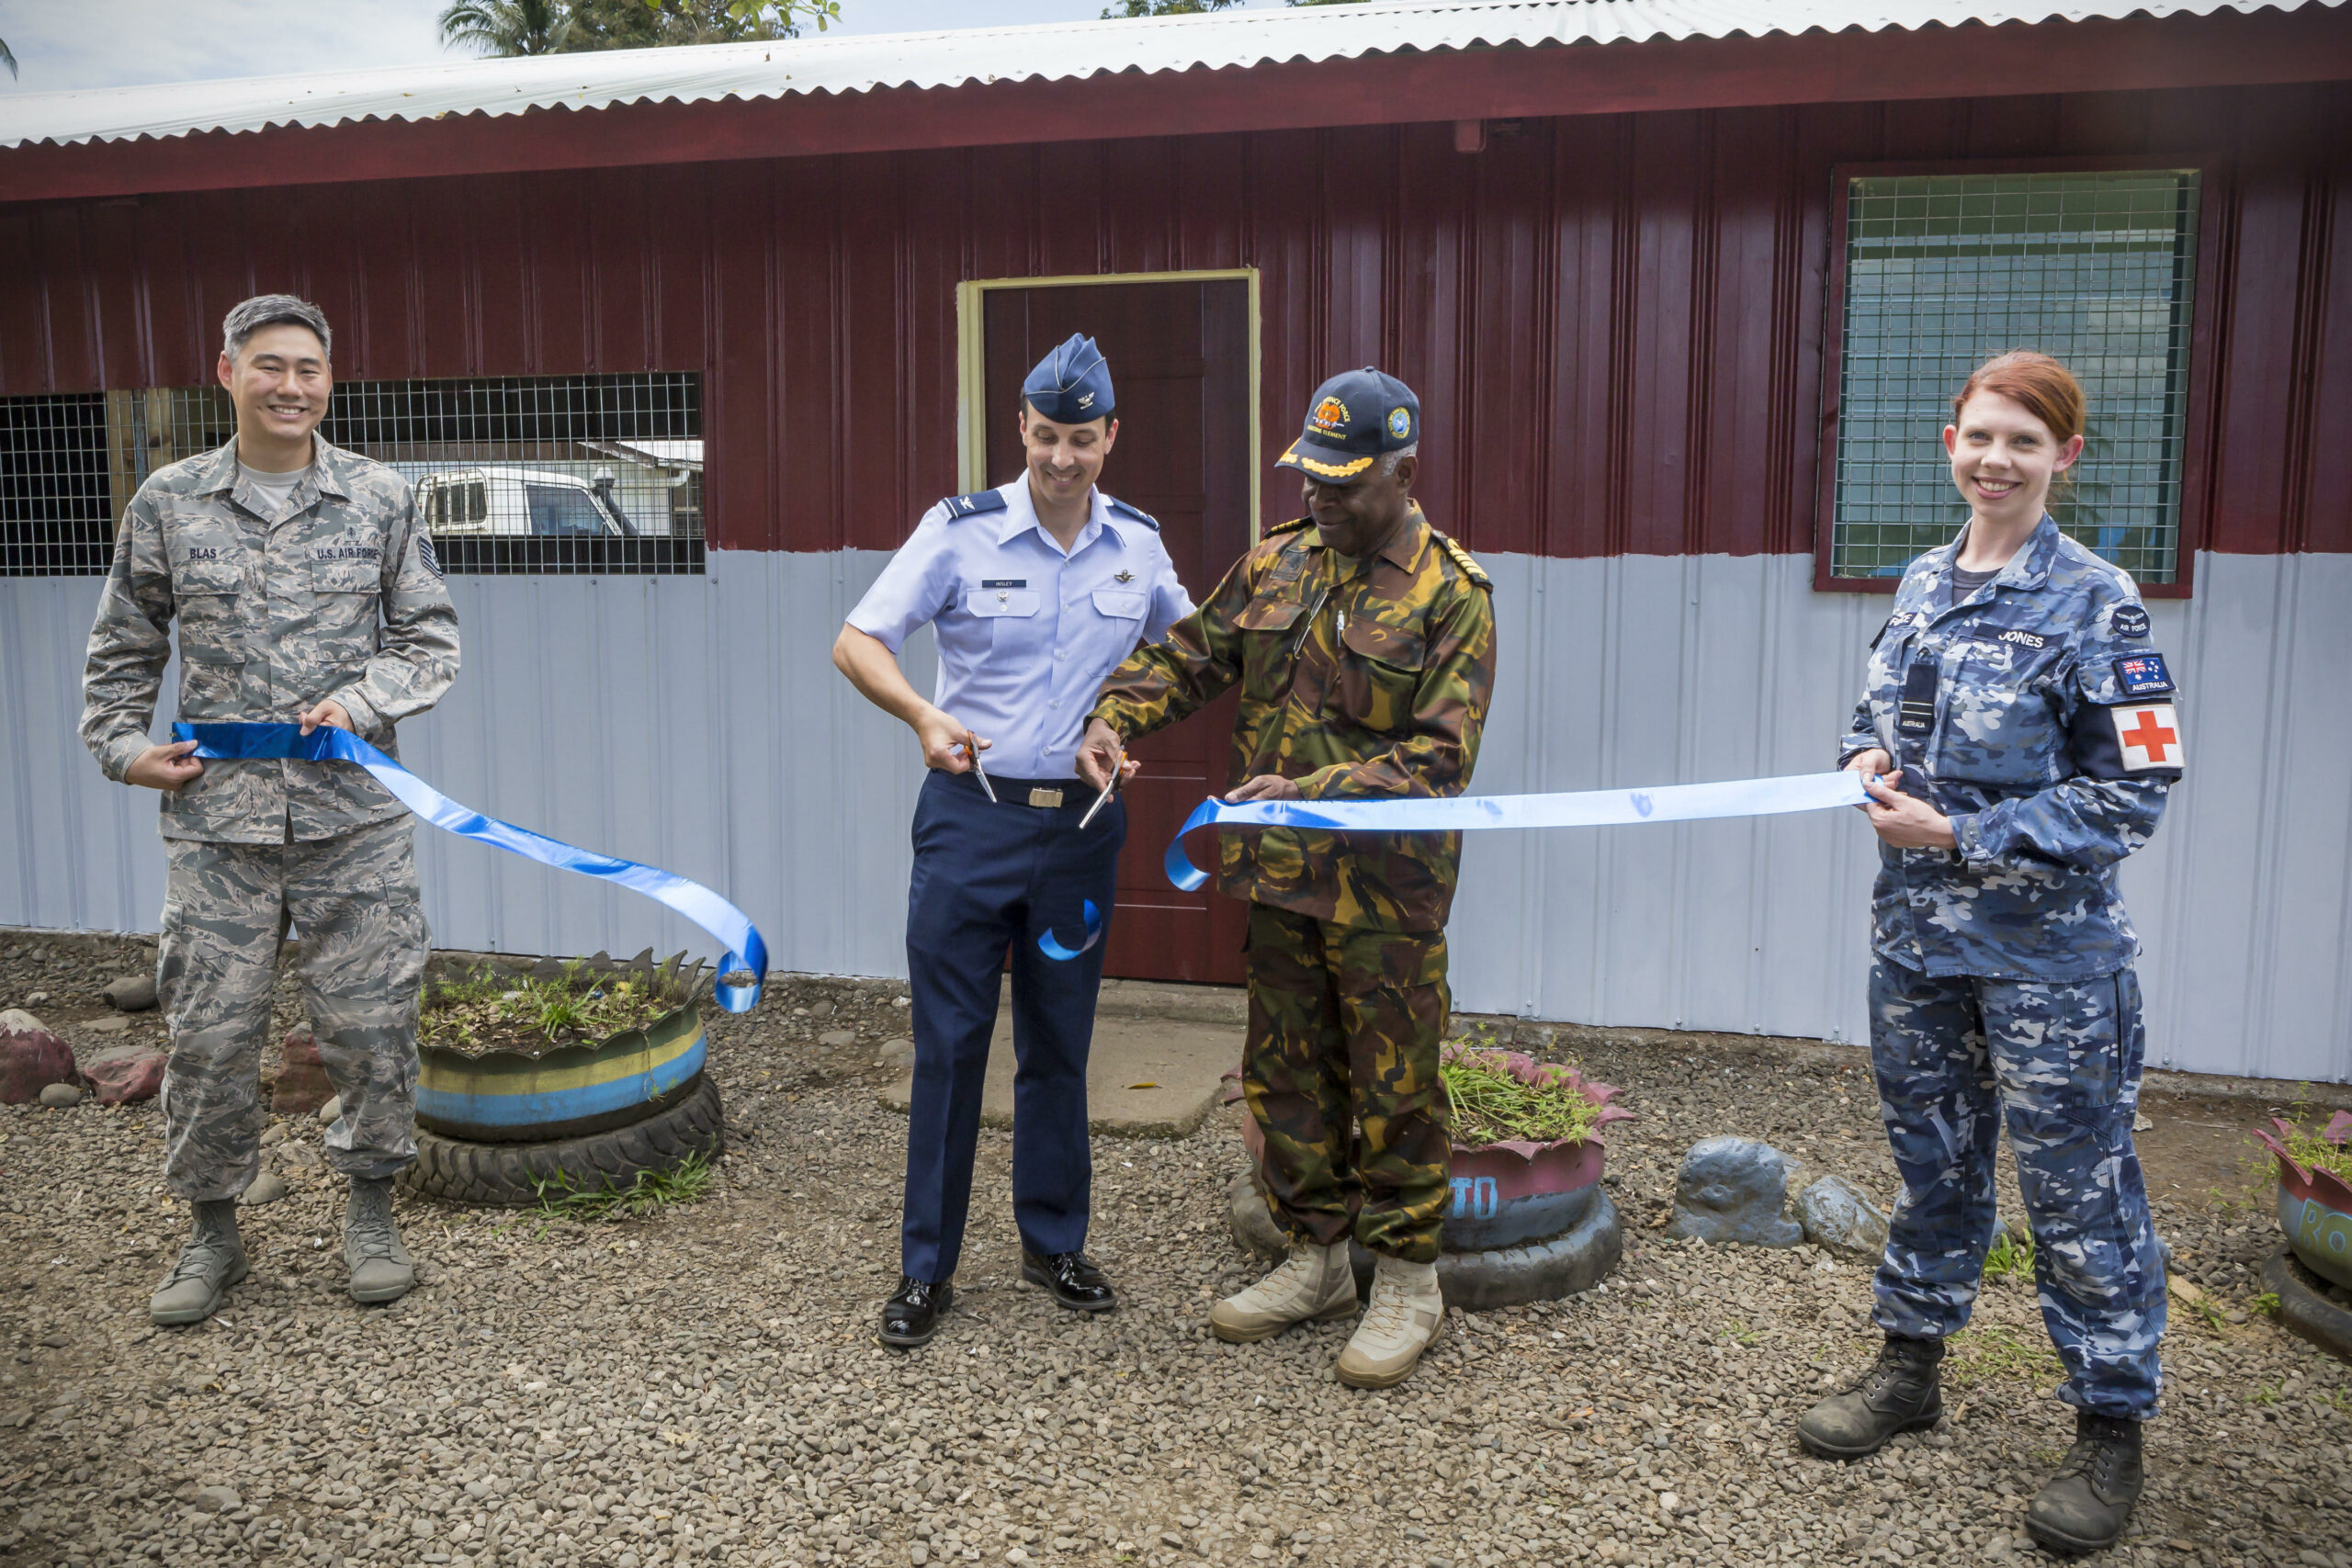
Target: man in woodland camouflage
{"x":306,"y":590}
{"x":1363,"y":643}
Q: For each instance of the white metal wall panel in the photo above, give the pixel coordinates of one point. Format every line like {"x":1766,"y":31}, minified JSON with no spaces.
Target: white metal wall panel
{"x":697,"y":724}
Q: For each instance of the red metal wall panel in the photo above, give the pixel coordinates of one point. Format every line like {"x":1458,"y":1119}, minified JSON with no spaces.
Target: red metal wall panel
{"x":1614,"y":320}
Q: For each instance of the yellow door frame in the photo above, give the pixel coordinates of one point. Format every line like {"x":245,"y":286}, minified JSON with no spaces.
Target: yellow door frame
{"x":971,"y":361}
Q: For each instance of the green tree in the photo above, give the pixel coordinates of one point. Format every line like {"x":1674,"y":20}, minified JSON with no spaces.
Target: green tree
{"x":1126,"y":8}
{"x":506,"y":27}
{"x":652,"y":24}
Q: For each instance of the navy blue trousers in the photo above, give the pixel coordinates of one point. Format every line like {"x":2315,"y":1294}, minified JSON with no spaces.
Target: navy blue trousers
{"x":989,"y":877}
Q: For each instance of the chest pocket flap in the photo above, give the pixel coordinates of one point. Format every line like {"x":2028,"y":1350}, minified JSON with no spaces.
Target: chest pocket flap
{"x":1126,"y":604}
{"x":993,"y":602}
{"x":1268,"y":615}
{"x":1399,"y":645}
{"x":345,"y":576}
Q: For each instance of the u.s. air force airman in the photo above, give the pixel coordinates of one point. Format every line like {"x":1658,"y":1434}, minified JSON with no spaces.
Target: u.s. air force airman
{"x":2027,"y":737}
{"x":305,"y":588}
{"x":1363,"y":642}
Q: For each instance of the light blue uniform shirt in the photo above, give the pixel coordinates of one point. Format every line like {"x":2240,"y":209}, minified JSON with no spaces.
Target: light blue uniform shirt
{"x":1027,"y":634}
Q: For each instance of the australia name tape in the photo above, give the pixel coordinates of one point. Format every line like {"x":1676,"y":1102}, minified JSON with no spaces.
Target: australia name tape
{"x":1588,"y":808}
{"x":729,"y":926}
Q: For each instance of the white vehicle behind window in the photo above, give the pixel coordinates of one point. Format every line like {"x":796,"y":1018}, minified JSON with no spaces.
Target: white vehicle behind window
{"x":456,"y":502}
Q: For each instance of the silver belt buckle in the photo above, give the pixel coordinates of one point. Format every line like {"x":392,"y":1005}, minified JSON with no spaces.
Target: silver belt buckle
{"x":1045,"y":798}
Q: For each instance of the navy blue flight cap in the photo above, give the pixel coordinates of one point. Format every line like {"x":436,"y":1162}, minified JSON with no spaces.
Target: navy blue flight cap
{"x":1356,"y":417}
{"x":1072,"y":384}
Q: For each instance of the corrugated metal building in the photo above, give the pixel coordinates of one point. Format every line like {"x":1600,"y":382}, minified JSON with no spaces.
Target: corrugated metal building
{"x":1681,"y":288}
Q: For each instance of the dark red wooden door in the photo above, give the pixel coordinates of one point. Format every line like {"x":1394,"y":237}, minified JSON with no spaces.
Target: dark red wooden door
{"x":1180,"y":364}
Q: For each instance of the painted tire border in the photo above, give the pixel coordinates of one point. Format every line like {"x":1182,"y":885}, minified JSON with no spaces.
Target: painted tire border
{"x":2302,"y":1310}
{"x":506,"y":1097}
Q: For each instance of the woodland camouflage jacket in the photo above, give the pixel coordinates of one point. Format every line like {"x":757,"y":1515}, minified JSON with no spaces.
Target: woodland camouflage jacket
{"x":1359,"y":680}
{"x":342,"y":597}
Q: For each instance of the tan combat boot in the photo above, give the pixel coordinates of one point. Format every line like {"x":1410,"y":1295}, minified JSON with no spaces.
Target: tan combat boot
{"x":1314,"y":1282}
{"x":1401,"y":1321}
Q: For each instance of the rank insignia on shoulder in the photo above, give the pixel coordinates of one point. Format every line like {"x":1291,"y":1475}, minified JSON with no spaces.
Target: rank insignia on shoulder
{"x":1293,"y":526}
{"x":2142,"y":675}
{"x":1470,"y":569}
{"x":978,"y":502}
{"x":1132,"y":513}
{"x":2127,"y":620}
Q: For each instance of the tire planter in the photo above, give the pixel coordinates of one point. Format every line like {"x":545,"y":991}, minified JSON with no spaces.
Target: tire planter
{"x":568,"y":1091}
{"x":2302,"y":1309}
{"x":2316,"y":1211}
{"x":1527,"y":1222}
{"x":507,"y":1174}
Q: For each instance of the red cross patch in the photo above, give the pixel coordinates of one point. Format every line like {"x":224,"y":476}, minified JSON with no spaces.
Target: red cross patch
{"x":2148,"y":734}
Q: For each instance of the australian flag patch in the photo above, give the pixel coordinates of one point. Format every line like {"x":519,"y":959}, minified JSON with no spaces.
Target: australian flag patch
{"x":2142,"y":675}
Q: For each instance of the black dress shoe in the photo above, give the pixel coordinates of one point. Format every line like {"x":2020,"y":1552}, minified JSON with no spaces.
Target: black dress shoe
{"x":911,"y":1317}
{"x":1075,"y":1282}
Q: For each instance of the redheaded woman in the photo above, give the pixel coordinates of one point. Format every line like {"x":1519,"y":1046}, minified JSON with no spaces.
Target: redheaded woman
{"x":2021,"y":733}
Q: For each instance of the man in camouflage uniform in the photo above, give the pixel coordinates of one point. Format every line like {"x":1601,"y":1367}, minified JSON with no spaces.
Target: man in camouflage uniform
{"x":2028,"y":738}
{"x":1363,"y":641}
{"x":306,"y":588}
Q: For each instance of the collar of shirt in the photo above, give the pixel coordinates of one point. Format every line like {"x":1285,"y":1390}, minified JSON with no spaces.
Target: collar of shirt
{"x":219,"y":473}
{"x":1020,"y":514}
{"x":1402,"y":551}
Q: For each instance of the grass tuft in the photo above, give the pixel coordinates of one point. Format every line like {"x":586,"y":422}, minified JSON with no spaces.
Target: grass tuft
{"x":1992,"y":1353}
{"x":647,"y":1193}
{"x":1497,"y":1096}
{"x":2011,"y":1257}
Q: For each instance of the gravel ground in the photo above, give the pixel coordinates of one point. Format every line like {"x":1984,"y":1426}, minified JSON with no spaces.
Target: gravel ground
{"x":703,"y":1387}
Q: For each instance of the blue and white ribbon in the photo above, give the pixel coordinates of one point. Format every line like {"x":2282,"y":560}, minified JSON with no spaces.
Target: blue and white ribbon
{"x":1590,"y":809}
{"x":1051,"y":946}
{"x":726,"y":924}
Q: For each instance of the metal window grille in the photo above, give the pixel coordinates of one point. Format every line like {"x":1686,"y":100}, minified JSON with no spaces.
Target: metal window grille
{"x":54,"y":483}
{"x":1944,"y":271}
{"x":561,"y":475}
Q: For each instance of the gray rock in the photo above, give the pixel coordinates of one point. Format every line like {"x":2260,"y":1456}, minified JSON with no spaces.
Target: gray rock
{"x":61,"y":1097}
{"x":330,"y":1112}
{"x":1732,"y":1190}
{"x":217,"y":1499}
{"x":896,"y":1053}
{"x":16,"y":1020}
{"x":1840,"y":1218}
{"x":268,"y":1188}
{"x":130,"y":993}
{"x":838,"y":1037}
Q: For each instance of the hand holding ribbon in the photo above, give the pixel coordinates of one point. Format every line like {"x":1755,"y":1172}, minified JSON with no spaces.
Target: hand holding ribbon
{"x":729,"y":926}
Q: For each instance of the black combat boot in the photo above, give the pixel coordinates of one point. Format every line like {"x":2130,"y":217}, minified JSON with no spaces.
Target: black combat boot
{"x":2088,"y":1501}
{"x":1899,"y":1394}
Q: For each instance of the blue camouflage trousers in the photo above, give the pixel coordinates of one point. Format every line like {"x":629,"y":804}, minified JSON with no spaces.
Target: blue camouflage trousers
{"x":2060,"y":1061}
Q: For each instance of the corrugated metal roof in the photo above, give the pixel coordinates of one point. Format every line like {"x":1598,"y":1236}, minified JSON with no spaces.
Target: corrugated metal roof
{"x":1057,"y":51}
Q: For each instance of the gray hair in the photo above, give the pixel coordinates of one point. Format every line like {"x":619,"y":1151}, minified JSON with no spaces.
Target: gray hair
{"x":1388,"y":460}
{"x":269,"y":310}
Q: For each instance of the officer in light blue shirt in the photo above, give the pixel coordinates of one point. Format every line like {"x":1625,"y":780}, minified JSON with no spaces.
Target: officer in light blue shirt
{"x":1038,"y":589}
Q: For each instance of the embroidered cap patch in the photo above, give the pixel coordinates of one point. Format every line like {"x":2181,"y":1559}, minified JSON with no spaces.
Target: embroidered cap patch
{"x":2142,"y":675}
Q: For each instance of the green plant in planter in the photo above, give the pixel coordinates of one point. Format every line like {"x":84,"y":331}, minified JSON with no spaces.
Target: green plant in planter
{"x":489,"y":1008}
{"x":1507,"y":1096}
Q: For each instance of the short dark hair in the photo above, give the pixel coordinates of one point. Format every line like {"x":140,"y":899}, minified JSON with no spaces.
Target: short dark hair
{"x":269,"y":310}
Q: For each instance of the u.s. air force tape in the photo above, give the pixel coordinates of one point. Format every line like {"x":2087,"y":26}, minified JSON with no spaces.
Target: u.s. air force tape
{"x":1590,"y":809}
{"x":729,"y":926}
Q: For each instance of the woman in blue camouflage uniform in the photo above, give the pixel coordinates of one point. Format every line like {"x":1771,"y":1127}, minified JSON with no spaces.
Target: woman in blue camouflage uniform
{"x":2021,"y":735}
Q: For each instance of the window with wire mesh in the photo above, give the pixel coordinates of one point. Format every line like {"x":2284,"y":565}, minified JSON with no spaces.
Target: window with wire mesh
{"x":1945,"y":271}
{"x":550,"y":474}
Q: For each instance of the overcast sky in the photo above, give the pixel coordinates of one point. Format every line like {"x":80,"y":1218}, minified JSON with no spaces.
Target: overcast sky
{"x":103,"y":43}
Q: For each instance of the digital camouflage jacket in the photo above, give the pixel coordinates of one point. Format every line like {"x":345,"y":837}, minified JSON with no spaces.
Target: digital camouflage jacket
{"x":1359,"y":680}
{"x":340,"y":598}
{"x":2036,"y":716}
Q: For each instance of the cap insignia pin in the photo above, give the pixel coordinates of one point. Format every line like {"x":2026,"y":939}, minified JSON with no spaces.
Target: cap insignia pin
{"x":1086,"y":400}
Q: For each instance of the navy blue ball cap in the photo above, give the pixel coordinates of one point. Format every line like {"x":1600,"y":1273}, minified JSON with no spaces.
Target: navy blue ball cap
{"x":1356,"y":417}
{"x":1072,"y":384}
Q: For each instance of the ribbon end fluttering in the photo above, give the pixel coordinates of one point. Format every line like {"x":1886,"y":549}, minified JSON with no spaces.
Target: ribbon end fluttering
{"x":1048,"y":945}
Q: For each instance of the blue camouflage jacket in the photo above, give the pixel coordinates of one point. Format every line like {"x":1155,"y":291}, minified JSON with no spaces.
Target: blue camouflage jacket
{"x":2035,"y":715}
